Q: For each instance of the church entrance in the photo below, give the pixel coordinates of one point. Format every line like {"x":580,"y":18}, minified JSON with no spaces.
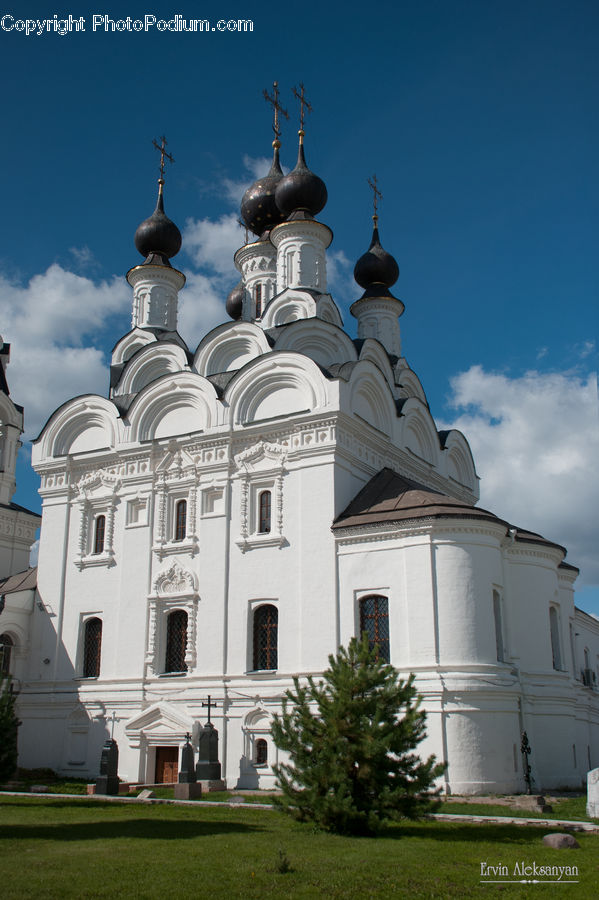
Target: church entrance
{"x":167,"y":765}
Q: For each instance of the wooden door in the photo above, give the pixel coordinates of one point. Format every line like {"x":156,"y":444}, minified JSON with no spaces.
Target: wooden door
{"x":167,"y":765}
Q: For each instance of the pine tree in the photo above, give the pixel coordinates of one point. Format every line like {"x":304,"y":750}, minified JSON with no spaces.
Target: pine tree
{"x":8,"y":729}
{"x":350,"y":740}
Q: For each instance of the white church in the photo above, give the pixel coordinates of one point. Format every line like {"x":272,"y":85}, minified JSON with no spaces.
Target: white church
{"x":230,"y":514}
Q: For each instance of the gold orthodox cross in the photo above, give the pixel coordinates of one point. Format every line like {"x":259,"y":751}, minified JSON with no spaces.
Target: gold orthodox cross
{"x":163,"y":155}
{"x":277,"y":108}
{"x":376,"y":196}
{"x":304,"y":105}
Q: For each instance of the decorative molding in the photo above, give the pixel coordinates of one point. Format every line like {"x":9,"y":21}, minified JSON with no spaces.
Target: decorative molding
{"x":175,"y":587}
{"x":261,"y":467}
{"x":97,"y":496}
{"x":175,"y":581}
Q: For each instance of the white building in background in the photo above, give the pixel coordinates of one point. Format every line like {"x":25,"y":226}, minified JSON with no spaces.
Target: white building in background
{"x":230,"y":515}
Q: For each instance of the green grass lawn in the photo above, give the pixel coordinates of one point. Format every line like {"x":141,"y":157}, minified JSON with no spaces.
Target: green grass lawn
{"x":75,"y":848}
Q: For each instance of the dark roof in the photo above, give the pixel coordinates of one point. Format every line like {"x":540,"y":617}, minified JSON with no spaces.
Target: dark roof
{"x":21,"y":581}
{"x":390,"y":497}
{"x":19,"y":508}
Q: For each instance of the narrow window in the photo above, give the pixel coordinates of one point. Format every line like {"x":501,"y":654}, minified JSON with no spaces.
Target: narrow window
{"x":555,"y":643}
{"x":587,"y":676}
{"x":6,"y":645}
{"x":264,"y":503}
{"x":261,"y":752}
{"x":176,"y":641}
{"x":92,"y":648}
{"x":258,"y":297}
{"x":374,"y":620}
{"x":181,"y":520}
{"x":99,"y":532}
{"x":266,"y":628}
{"x":498,"y":626}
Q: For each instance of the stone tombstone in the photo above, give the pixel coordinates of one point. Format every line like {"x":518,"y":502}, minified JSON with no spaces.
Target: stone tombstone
{"x":208,"y":767}
{"x":593,"y":794}
{"x":187,"y":772}
{"x":108,"y":782}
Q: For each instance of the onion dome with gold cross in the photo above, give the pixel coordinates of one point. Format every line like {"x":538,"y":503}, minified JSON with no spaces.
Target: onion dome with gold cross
{"x":301,"y":190}
{"x":376,"y":270}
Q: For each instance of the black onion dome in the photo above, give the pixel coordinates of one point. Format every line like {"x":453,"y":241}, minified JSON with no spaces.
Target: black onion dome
{"x":234,"y":304}
{"x":376,"y":266}
{"x":301,"y":189}
{"x":258,"y":208}
{"x":158,"y":235}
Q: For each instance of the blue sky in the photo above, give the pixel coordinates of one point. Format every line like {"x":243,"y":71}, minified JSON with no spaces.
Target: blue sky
{"x":480,"y":121}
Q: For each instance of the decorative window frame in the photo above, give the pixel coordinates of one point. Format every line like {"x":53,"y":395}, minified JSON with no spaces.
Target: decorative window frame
{"x":175,"y":587}
{"x":177,"y":479}
{"x":257,"y":726}
{"x":261,"y":468}
{"x":98,"y":495}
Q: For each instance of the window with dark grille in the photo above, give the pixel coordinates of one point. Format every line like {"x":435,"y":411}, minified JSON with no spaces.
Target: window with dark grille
{"x":181,"y":520}
{"x":92,"y":648}
{"x":99,"y":532}
{"x":261,"y":752}
{"x":266,"y":626}
{"x":6,"y":645}
{"x":555,"y":641}
{"x":176,"y":642}
{"x":264,"y":503}
{"x":374,"y":620}
{"x":258,"y":292}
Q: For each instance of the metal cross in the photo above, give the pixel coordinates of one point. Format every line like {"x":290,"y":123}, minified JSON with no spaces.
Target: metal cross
{"x":242,"y":224}
{"x":304,"y":105}
{"x":277,"y":108}
{"x":163,"y":154}
{"x":209,"y":704}
{"x":376,"y":195}
{"x":188,"y":738}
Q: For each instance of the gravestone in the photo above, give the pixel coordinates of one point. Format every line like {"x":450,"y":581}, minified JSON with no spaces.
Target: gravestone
{"x":208,"y":767}
{"x":108,"y":781}
{"x":187,"y":787}
{"x":593,"y":794}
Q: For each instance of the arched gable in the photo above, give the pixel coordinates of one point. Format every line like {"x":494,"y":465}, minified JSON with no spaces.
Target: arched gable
{"x":376,"y":353}
{"x":288,"y":306}
{"x":230,"y":347}
{"x":85,"y":423}
{"x":409,"y":384}
{"x":130,"y":343}
{"x":417,"y":432}
{"x":323,"y":342}
{"x":148,"y":364}
{"x":277,"y":385}
{"x":370,"y":397}
{"x":328,"y":311}
{"x":458,"y":459}
{"x":174,"y":404}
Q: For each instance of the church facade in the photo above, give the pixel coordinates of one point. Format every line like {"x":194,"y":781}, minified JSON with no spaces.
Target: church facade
{"x":229,"y":515}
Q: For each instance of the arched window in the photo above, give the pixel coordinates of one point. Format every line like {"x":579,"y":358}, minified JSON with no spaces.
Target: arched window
{"x":498,"y":626}
{"x":92,"y":648}
{"x":374,"y":620}
{"x":264,"y":507}
{"x":6,"y":645}
{"x":99,"y":532}
{"x":181,"y":520}
{"x":258,"y":297}
{"x":261,"y":752}
{"x":266,"y":628}
{"x":555,"y":642}
{"x":176,"y":641}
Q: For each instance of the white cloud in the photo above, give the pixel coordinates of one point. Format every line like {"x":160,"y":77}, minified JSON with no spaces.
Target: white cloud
{"x":212,"y":244}
{"x":535,"y":441}
{"x":48,"y":323}
{"x":340,"y":278}
{"x":201,"y":307}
